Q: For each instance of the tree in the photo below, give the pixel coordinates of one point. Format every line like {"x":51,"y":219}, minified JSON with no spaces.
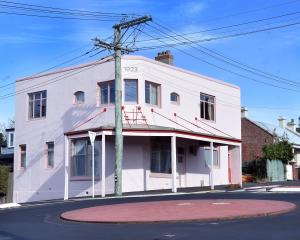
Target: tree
{"x":280,"y":150}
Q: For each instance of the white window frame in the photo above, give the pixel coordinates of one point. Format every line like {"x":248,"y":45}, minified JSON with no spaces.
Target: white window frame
{"x":137,"y":91}
{"x":177,"y":102}
{"x":75,"y":99}
{"x":87,"y":160}
{"x":9,"y":144}
{"x":100,"y":84}
{"x":23,"y":163}
{"x":213,"y":103}
{"x":162,"y":145}
{"x":217,"y":150}
{"x":48,"y":164}
{"x":150,"y":96}
{"x":32,"y":115}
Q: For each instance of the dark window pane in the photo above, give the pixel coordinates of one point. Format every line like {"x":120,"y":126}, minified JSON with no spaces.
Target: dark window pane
{"x":104,"y":93}
{"x":147,"y":92}
{"x":154,"y":94}
{"x":79,"y":97}
{"x":37,"y":96}
{"x":50,"y":162}
{"x":161,"y":156}
{"x":207,"y":106}
{"x":44,"y":102}
{"x":37,"y":108}
{"x":30,"y":110}
{"x":174,"y":97}
{"x":202,"y":110}
{"x":130,"y":90}
{"x":112,"y":91}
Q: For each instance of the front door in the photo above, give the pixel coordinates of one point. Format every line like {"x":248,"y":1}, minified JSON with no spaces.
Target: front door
{"x":181,"y":167}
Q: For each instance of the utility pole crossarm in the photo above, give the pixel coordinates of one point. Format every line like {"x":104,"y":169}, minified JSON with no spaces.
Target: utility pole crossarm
{"x":133,"y":22}
{"x":101,"y":44}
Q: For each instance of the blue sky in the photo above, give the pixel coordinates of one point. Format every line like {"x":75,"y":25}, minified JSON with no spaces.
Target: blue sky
{"x":29,"y":45}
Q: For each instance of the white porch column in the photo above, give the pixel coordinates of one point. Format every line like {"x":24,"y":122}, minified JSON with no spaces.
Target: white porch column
{"x":212,"y":187}
{"x":103,"y":166}
{"x":241,"y":165}
{"x":174,"y":161}
{"x":66,"y":195}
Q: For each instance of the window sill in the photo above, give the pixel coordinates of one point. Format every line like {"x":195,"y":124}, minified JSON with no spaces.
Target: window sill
{"x":84,"y":178}
{"x":175,"y":103}
{"x":206,"y":120}
{"x":160,"y":175}
{"x":152,"y":105}
{"x":78,"y":104}
{"x":107,"y":105}
{"x":36,"y":119}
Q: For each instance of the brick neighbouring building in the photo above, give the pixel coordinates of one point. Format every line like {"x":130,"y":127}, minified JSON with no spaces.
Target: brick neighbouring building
{"x":255,"y":135}
{"x":254,"y":138}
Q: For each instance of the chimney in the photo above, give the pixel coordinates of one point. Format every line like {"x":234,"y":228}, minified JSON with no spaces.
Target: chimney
{"x":281,"y":121}
{"x":165,"y":57}
{"x":244,"y":112}
{"x":292,"y":125}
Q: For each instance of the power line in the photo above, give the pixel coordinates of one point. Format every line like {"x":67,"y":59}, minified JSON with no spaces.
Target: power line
{"x":30,"y":10}
{"x":67,"y":10}
{"x":224,"y":69}
{"x":223,"y":27}
{"x":55,"y":17}
{"x":250,"y":11}
{"x":55,"y":79}
{"x":238,"y":64}
{"x":53,"y":67}
{"x":216,"y":38}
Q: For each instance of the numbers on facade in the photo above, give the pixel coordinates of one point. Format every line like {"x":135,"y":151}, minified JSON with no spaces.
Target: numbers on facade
{"x":131,"y":69}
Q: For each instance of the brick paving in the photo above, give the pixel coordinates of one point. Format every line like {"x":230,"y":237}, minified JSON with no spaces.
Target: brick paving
{"x":179,"y":210}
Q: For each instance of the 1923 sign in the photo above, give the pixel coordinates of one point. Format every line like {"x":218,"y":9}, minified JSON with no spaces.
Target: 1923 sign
{"x":131,"y":69}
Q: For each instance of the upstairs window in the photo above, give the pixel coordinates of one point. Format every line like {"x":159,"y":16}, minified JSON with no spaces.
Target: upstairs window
{"x":10,"y":140}
{"x":37,"y":104}
{"x":174,"y":97}
{"x":131,"y":90}
{"x":207,"y":107}
{"x":50,"y":154}
{"x":107,"y":92}
{"x":78,"y":97}
{"x":152,"y":93}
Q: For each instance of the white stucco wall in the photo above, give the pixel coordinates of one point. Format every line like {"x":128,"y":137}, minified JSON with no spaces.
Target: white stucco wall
{"x":36,"y":182}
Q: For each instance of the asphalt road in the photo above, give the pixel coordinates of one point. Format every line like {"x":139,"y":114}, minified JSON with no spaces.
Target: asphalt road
{"x":43,"y":222}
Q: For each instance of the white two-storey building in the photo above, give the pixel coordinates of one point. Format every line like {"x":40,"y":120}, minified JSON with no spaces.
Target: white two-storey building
{"x":171,"y":119}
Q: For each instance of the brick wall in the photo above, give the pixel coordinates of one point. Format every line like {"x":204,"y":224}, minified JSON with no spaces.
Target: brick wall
{"x":254,"y":139}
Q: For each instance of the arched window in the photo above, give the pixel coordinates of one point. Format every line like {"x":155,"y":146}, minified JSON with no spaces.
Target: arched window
{"x":174,"y":97}
{"x":78,"y":97}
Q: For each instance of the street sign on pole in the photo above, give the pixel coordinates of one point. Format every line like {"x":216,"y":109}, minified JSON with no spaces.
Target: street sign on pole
{"x":92,"y":136}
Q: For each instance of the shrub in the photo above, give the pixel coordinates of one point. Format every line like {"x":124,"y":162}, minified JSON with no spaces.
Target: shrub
{"x":281,"y":150}
{"x":4,"y":172}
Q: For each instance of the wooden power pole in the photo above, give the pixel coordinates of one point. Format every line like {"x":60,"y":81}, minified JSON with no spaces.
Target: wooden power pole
{"x":118,"y":50}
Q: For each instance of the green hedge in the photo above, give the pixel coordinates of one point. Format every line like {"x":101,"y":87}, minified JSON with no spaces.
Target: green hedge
{"x":4,"y":172}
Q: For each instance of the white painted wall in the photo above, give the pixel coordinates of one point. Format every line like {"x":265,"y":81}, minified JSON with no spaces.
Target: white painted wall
{"x":36,"y":182}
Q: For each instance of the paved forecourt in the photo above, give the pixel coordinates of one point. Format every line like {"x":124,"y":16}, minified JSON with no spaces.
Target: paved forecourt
{"x":179,"y":210}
